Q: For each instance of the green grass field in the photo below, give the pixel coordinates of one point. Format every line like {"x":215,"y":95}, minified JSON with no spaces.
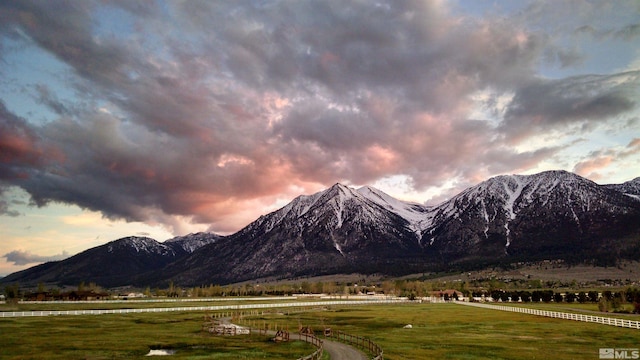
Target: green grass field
{"x":449,"y":331}
{"x":131,"y":336}
{"x":440,"y":331}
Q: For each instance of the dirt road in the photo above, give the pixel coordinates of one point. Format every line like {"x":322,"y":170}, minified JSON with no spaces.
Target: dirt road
{"x":340,"y":351}
{"x":335,"y":349}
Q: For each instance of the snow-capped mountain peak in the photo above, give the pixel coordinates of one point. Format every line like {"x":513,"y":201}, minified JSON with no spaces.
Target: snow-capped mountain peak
{"x":499,"y":202}
{"x":550,"y":215}
{"x":140,"y":245}
{"x":192,"y":242}
{"x":415,"y":214}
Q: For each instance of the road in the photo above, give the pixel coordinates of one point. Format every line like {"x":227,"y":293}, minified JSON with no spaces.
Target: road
{"x":340,"y":351}
{"x":335,"y":349}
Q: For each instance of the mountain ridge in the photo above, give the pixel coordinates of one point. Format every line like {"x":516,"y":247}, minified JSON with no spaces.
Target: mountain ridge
{"x":511,"y":207}
{"x":553,"y":214}
{"x":111,"y":264}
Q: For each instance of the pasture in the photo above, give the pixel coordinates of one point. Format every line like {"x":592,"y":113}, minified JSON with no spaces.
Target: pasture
{"x":132,"y":336}
{"x":449,"y":331}
{"x":439,"y":331}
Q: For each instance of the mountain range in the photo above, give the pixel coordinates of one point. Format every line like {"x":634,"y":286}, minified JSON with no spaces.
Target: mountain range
{"x":509,"y":218}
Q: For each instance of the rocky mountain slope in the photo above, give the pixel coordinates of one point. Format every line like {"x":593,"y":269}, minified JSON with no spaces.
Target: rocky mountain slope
{"x":115,"y":263}
{"x":629,"y":188}
{"x":192,"y":242}
{"x":551,"y":215}
{"x":333,"y":231}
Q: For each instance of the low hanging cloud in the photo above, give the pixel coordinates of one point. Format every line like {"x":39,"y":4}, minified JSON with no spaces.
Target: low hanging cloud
{"x":210,"y":111}
{"x":20,"y":257}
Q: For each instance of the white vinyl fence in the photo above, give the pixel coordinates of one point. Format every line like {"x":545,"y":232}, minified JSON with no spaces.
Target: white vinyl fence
{"x":159,"y":300}
{"x":194,"y":308}
{"x":632,"y":324}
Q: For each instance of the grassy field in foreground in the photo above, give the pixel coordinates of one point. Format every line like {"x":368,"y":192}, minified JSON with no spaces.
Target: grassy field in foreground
{"x":449,"y":331}
{"x":132,"y":336}
{"x":440,"y":331}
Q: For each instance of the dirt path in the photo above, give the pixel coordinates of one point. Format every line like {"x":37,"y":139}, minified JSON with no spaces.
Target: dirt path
{"x":340,"y":351}
{"x":335,"y":349}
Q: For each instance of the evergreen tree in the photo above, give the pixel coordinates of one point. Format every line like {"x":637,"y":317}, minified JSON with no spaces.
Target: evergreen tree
{"x":582,"y":297}
{"x":557,"y":297}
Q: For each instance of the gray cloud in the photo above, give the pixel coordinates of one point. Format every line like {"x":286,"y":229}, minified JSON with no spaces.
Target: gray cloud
{"x":207,"y":107}
{"x":19,"y":257}
{"x":626,"y":33}
{"x":547,"y":104}
{"x":6,"y":210}
{"x":21,"y":148}
{"x":47,"y":98}
{"x":65,"y":29}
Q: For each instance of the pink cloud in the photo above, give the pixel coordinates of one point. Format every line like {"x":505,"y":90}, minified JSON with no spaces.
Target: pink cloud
{"x":589,"y":168}
{"x":222,"y":110}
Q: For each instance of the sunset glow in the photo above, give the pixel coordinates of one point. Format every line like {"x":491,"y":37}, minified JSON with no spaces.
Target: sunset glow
{"x":162,"y":118}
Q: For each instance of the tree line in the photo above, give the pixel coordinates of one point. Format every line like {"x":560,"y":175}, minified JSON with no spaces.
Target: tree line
{"x":608,"y":301}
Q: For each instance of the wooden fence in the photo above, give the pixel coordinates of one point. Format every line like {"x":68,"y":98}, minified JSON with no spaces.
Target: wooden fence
{"x":313,"y":340}
{"x":632,"y":324}
{"x":362,"y":342}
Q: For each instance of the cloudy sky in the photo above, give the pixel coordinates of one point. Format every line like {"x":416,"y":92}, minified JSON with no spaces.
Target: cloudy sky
{"x":162,"y":118}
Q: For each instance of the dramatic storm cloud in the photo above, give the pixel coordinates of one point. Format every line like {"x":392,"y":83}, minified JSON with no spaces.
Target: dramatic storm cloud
{"x":214,"y":112}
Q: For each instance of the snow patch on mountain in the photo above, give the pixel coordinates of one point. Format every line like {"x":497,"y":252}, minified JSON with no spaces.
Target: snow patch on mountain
{"x":485,"y":216}
{"x":338,"y":247}
{"x":630,"y":188}
{"x":513,"y":186}
{"x":296,"y":208}
{"x":140,"y":245}
{"x":343,"y":195}
{"x":415,"y":214}
{"x":193,"y":241}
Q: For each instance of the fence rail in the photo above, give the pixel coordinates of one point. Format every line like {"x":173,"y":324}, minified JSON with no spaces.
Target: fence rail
{"x":631,"y":324}
{"x":5,"y":314}
{"x":362,"y":342}
{"x":157,"y":300}
{"x":316,"y":355}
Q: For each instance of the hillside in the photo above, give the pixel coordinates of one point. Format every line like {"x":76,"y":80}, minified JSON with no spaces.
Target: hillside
{"x":342,"y":230}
